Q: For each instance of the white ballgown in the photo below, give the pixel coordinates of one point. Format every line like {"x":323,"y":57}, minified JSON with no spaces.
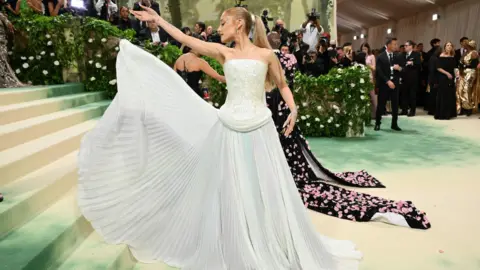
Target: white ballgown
{"x":195,"y":187}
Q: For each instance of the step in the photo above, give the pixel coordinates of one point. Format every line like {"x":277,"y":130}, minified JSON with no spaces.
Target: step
{"x":20,"y":160}
{"x":46,"y":240}
{"x":95,"y":254}
{"x":21,"y":111}
{"x":23,"y":94}
{"x":20,"y":132}
{"x":32,"y":194}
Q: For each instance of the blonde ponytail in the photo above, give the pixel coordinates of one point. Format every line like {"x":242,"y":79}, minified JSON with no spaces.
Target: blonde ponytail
{"x":260,"y":40}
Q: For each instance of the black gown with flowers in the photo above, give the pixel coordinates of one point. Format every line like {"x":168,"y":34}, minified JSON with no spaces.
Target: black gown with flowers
{"x":313,"y":180}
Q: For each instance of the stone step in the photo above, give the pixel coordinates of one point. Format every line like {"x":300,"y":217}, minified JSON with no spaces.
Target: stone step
{"x":95,"y":254}
{"x":24,"y":94}
{"x":20,"y":132}
{"x":21,"y":111}
{"x":20,"y":160}
{"x":48,"y":239}
{"x":28,"y":196}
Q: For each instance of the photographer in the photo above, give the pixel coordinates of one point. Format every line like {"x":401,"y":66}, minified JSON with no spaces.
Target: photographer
{"x":106,"y":9}
{"x":314,"y":65}
{"x":280,"y":28}
{"x":312,"y":29}
{"x":298,"y":48}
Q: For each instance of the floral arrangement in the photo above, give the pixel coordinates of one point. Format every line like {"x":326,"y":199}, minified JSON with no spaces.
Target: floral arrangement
{"x":48,"y":49}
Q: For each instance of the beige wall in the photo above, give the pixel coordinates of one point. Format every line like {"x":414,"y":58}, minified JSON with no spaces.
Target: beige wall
{"x":456,"y":20}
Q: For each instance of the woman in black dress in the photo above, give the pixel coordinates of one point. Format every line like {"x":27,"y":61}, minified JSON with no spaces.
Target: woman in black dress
{"x":313,"y":180}
{"x":191,"y":68}
{"x":446,"y":96}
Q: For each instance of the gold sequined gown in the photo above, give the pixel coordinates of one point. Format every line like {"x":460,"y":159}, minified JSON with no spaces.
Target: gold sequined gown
{"x":7,"y":75}
{"x":466,"y":94}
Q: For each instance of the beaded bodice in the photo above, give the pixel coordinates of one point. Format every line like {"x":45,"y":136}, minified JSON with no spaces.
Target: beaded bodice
{"x":245,"y":107}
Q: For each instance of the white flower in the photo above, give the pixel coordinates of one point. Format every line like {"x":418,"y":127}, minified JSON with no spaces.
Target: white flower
{"x":99,"y":55}
{"x":45,"y":72}
{"x":352,"y":85}
{"x":47,"y":36}
{"x":23,"y":58}
{"x":52,"y":54}
{"x":319,"y":108}
{"x":56,"y":63}
{"x":308,"y":124}
{"x":90,"y":40}
{"x":10,"y":52}
{"x":322,"y":126}
{"x":39,"y":57}
{"x":362,"y":80}
{"x":104,"y":40}
{"x":211,"y":103}
{"x":17,"y":71}
{"x":304,"y":104}
{"x":49,"y":43}
{"x":92,"y":79}
{"x":362,"y":97}
{"x":25,"y":65}
{"x":98,"y":65}
{"x":349,"y":96}
{"x":216,"y":105}
{"x":303,"y":117}
{"x":90,"y":62}
{"x":362,"y":91}
{"x":337,"y":111}
{"x":113,"y":82}
{"x":350,"y":123}
{"x":117,"y":48}
{"x":30,"y":58}
{"x":337,"y":90}
{"x":42,"y":53}
{"x":104,"y":68}
{"x":28,"y":29}
{"x":335,"y":107}
{"x":329,"y":120}
{"x":317,"y":119}
{"x":308,"y":116}
{"x":340,"y":70}
{"x":337,"y":125}
{"x":338,"y":76}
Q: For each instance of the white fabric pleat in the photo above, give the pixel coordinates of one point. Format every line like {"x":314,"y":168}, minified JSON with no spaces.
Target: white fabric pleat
{"x":161,"y":173}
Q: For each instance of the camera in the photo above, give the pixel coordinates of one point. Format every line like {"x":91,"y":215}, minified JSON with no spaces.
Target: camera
{"x":313,"y":15}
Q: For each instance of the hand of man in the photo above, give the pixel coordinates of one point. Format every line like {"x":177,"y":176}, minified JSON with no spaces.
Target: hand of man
{"x":391,"y":85}
{"x":396,"y":67}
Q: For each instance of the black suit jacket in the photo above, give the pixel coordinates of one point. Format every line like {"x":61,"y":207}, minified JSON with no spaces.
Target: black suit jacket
{"x":411,"y":72}
{"x":383,"y":69}
{"x":146,"y":34}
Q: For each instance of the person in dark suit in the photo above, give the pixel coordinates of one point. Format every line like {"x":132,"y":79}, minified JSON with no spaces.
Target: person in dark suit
{"x":388,"y":70}
{"x":154,"y":34}
{"x":410,"y":76}
{"x":462,"y":50}
{"x":141,"y":26}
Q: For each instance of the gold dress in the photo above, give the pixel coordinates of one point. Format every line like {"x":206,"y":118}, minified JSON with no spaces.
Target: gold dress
{"x":466,"y":96}
{"x":7,"y":75}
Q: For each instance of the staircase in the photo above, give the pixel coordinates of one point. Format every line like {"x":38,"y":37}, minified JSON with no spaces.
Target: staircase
{"x":40,"y":224}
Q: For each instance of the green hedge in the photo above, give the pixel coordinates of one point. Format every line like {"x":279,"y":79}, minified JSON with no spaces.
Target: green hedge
{"x":45,"y":48}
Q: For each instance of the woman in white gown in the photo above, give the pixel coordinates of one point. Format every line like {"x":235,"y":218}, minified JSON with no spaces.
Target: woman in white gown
{"x":195,"y":187}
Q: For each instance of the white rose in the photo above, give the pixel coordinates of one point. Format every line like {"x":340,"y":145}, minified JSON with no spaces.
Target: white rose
{"x":352,"y":85}
{"x":92,"y":79}
{"x":42,"y":53}
{"x":338,"y":76}
{"x":303,"y":117}
{"x":211,"y":103}
{"x":362,"y":97}
{"x":30,"y":58}
{"x":90,"y":62}
{"x":104,"y":40}
{"x":90,"y":40}
{"x":337,"y":90}
{"x":308,"y":116}
{"x":23,"y":58}
{"x":49,"y":43}
{"x":99,"y":55}
{"x":329,"y":120}
{"x":25,"y":65}
{"x":317,"y":119}
{"x":113,"y":82}
{"x":39,"y":57}
{"x":304,"y":104}
{"x":52,"y":54}
{"x":56,"y":63}
{"x":308,"y":124}
{"x":362,"y":91}
{"x":47,"y":36}
{"x":335,"y":107}
{"x":340,"y":70}
{"x":216,"y":105}
{"x":45,"y":72}
{"x":362,"y":80}
{"x":98,"y":65}
{"x":322,"y":126}
{"x":337,"y":125}
{"x":117,"y":49}
{"x":319,"y":108}
{"x":104,"y":68}
{"x":350,"y":123}
{"x":17,"y":71}
{"x":10,"y":52}
{"x":349,"y":96}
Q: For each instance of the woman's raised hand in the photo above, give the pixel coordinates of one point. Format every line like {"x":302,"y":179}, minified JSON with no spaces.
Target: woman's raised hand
{"x":145,"y":15}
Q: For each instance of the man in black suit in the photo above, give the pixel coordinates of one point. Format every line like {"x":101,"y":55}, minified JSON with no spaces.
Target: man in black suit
{"x":388,"y":71}
{"x":460,"y":52}
{"x":155,"y":34}
{"x":411,"y":72}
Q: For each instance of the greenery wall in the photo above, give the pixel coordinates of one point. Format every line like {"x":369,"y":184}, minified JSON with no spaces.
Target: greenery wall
{"x":45,"y":47}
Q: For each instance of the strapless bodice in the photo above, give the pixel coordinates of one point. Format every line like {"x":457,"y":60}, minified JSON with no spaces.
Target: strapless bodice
{"x":245,"y":107}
